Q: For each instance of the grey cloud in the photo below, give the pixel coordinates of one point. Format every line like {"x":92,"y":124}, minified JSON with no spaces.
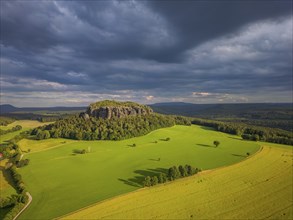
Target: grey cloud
{"x":81,"y":51}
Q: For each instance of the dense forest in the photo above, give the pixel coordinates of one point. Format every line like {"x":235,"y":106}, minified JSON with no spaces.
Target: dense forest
{"x":249,"y":132}
{"x":274,"y":115}
{"x":78,"y":128}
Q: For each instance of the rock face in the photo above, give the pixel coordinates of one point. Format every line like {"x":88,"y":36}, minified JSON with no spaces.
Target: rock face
{"x":115,"y":109}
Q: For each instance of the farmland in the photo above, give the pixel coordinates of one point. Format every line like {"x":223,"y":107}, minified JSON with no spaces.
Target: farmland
{"x":115,"y":167}
{"x":257,"y":188}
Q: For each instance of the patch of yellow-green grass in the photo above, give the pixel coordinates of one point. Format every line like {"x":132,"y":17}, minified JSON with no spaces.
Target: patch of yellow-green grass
{"x":32,"y":146}
{"x":6,"y":137}
{"x":25,"y":124}
{"x":259,"y":187}
{"x":6,"y":187}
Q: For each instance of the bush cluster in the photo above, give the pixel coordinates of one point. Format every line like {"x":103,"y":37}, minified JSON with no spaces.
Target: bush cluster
{"x":78,"y":151}
{"x":17,"y":179}
{"x":22,"y":163}
{"x":14,"y":211}
{"x":173,"y":174}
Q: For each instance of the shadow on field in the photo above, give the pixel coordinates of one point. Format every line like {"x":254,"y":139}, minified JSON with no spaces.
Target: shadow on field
{"x":137,"y":181}
{"x":205,"y":145}
{"x":239,"y":139}
{"x":7,"y":176}
{"x":238,"y":155}
{"x":158,"y":159}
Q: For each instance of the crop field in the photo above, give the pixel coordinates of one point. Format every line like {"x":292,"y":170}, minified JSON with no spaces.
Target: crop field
{"x":61,"y":181}
{"x":260,"y":187}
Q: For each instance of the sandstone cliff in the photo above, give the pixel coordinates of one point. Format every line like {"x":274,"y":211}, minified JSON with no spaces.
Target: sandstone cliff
{"x":109,"y":109}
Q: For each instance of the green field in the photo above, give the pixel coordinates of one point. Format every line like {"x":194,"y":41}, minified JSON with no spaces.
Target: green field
{"x":26,"y":125}
{"x":61,"y":182}
{"x":260,"y":187}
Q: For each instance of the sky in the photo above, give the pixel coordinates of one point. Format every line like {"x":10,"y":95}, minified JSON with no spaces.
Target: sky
{"x":72,"y":53}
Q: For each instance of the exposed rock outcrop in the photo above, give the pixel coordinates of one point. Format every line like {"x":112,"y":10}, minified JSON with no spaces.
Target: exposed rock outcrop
{"x":110,"y":109}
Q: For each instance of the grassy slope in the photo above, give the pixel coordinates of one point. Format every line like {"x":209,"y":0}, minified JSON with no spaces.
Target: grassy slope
{"x":24,"y":124}
{"x":257,"y":188}
{"x":61,"y":182}
{"x":41,"y":145}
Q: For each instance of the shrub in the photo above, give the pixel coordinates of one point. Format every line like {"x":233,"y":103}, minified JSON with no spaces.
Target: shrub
{"x":147,"y":181}
{"x":216,"y":143}
{"x":154,"y":180}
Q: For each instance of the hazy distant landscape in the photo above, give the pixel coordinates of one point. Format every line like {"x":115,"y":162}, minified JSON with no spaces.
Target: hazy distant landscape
{"x":146,"y":110}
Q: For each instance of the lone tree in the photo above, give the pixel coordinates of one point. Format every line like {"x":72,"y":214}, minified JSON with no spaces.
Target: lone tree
{"x":216,"y":143}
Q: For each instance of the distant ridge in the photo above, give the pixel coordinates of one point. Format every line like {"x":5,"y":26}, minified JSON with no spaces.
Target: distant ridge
{"x":6,"y":108}
{"x":171,"y":104}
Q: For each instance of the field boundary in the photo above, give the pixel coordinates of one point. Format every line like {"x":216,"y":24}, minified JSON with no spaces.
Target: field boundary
{"x":146,"y":188}
{"x":30,"y":199}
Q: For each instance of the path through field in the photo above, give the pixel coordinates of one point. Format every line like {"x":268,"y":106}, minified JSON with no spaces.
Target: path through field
{"x":257,"y":188}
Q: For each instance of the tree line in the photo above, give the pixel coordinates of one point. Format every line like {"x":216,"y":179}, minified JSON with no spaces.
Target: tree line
{"x":249,"y":132}
{"x":14,"y":202}
{"x":174,"y":172}
{"x":78,"y":128}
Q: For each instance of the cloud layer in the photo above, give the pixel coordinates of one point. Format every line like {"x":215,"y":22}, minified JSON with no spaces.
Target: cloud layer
{"x":76,"y":52}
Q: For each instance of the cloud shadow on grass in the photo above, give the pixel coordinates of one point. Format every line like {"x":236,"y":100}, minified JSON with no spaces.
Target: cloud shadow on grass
{"x":137,"y":180}
{"x":238,"y":155}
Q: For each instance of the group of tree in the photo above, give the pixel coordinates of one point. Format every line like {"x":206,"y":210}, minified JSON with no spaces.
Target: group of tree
{"x":15,"y":203}
{"x":249,"y":132}
{"x":78,"y":128}
{"x":174,"y":172}
{"x":4,"y":121}
{"x":16,"y":128}
{"x":17,"y":179}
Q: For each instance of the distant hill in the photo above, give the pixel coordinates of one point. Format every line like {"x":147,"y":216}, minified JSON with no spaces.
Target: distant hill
{"x":7,"y":108}
{"x":274,"y":115}
{"x":10,"y":108}
{"x":218,"y":110}
{"x":171,"y":104}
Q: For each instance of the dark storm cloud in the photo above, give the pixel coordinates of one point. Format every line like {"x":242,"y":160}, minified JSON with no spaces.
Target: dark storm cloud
{"x":198,"y":21}
{"x":74,"y":52}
